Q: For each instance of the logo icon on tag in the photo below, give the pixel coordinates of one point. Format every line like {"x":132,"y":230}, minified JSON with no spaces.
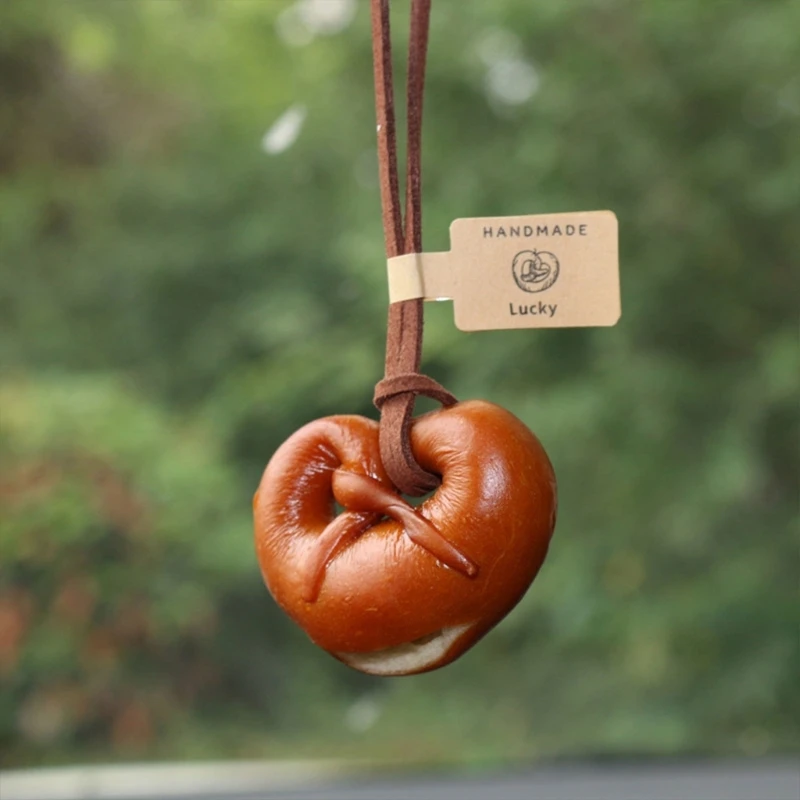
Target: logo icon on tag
{"x":535,"y":270}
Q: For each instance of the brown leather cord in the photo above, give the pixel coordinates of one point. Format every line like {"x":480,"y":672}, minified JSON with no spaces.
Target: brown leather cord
{"x":402,"y":382}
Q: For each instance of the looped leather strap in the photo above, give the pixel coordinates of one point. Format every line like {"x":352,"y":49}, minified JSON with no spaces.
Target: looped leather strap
{"x":412,"y":383}
{"x":396,"y":393}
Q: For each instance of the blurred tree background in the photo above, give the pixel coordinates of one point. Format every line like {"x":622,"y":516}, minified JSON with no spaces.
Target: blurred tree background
{"x":192,"y":268}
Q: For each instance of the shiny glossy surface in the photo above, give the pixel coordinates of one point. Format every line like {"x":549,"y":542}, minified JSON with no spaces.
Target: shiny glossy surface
{"x":388,"y":588}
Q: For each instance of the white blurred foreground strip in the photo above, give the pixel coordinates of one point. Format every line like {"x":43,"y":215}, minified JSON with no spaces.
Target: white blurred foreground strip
{"x":166,"y":780}
{"x":654,"y":779}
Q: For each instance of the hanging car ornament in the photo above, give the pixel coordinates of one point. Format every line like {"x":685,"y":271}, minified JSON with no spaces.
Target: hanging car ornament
{"x":386,"y":587}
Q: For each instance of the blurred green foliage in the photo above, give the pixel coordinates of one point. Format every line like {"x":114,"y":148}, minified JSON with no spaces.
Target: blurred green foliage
{"x":175,"y":300}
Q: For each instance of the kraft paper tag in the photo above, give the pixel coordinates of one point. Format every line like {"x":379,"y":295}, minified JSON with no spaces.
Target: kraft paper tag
{"x":541,"y":271}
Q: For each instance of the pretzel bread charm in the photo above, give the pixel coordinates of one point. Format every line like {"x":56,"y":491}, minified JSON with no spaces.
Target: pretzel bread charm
{"x":387,"y":588}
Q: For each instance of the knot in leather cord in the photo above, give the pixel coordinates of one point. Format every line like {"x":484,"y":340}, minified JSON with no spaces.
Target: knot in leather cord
{"x":413,"y":383}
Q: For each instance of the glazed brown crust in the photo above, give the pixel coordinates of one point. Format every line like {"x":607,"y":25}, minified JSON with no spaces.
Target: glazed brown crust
{"x":374,"y":587}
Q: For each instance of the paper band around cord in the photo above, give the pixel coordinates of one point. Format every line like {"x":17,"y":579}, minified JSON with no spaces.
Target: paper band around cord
{"x":426,"y":276}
